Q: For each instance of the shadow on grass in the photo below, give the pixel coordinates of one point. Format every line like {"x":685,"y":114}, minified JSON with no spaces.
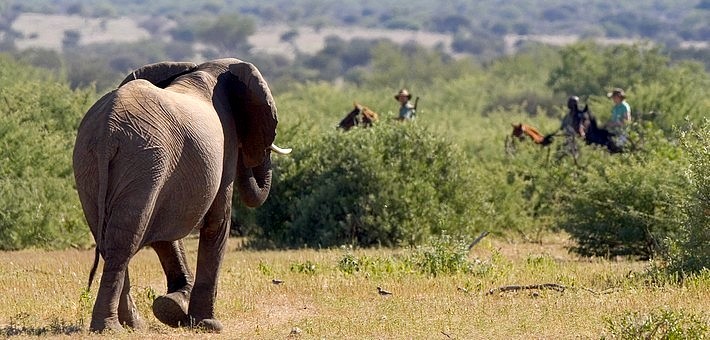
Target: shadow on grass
{"x":56,"y":327}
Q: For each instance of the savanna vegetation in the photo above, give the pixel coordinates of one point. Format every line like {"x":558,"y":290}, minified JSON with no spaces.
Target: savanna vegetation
{"x":440,"y":290}
{"x":184,"y":30}
{"x":397,"y":205}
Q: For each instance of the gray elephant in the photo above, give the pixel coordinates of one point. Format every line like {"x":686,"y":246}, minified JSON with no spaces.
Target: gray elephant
{"x":158,"y":158}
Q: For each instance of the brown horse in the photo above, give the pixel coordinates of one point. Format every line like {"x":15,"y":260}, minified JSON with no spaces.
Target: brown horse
{"x":351,"y":119}
{"x":521,"y":130}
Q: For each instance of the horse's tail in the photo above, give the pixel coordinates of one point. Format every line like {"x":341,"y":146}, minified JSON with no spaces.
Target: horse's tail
{"x":548,"y":139}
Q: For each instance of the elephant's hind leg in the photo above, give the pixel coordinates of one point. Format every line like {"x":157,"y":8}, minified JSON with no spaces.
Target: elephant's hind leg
{"x":105,"y":314}
{"x":121,"y":240}
{"x":127,"y":311}
{"x":171,"y":309}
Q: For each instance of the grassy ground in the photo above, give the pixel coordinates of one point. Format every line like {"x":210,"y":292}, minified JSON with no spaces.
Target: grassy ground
{"x":41,"y":293}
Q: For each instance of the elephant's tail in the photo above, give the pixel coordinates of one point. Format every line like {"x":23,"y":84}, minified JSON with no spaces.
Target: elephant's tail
{"x":93,"y":269}
{"x":104,"y":157}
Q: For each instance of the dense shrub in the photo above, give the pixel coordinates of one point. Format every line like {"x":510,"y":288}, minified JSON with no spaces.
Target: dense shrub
{"x":690,"y":252}
{"x":389,"y":185}
{"x":626,"y":204}
{"x":38,"y":121}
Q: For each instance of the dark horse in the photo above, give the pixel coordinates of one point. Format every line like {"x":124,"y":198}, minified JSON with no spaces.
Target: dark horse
{"x":583,"y":123}
{"x":601,"y":136}
{"x":352,"y":119}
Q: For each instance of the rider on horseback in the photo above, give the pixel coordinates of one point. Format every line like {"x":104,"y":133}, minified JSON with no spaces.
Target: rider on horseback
{"x":576,"y":121}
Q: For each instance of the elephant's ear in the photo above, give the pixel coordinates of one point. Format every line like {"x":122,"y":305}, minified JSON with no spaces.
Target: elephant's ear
{"x":256,"y":123}
{"x":160,"y":74}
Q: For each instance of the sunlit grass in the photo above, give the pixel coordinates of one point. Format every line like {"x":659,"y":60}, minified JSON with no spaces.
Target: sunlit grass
{"x":41,"y":294}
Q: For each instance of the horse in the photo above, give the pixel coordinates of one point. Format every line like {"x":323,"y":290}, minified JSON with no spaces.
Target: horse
{"x":351,"y":119}
{"x":601,"y":136}
{"x":521,"y":130}
{"x":582,"y":123}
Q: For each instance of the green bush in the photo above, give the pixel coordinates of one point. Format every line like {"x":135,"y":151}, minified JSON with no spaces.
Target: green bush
{"x":440,"y":255}
{"x":690,"y":252}
{"x":659,"y":324}
{"x":394,"y":184}
{"x":626,"y":204}
{"x":38,"y":122}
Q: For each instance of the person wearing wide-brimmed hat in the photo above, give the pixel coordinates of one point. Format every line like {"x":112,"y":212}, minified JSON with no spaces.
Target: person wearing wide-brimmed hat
{"x":621,"y":112}
{"x":620,"y":115}
{"x":406,"y":110}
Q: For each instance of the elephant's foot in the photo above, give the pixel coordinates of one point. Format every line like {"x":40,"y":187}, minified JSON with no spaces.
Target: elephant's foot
{"x":209,"y":325}
{"x":171,"y":309}
{"x":110,"y":324}
{"x":128,"y":314}
{"x":135,"y":322}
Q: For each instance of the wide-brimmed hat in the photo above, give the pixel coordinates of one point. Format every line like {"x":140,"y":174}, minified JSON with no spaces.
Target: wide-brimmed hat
{"x":617,"y":91}
{"x":403,"y":92}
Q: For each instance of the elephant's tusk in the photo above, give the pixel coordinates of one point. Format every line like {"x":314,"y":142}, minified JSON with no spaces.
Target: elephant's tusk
{"x":279,"y":150}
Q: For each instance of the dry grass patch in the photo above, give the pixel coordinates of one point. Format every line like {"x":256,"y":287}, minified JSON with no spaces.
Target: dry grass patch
{"x":41,"y":293}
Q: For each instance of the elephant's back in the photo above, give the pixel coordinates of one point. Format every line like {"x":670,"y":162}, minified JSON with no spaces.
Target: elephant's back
{"x":155,"y":140}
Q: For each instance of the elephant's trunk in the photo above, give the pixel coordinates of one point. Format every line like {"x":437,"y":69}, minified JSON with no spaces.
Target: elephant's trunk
{"x":254,"y":184}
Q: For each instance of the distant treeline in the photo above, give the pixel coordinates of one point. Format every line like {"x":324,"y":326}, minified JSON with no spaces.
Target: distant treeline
{"x":222,"y":28}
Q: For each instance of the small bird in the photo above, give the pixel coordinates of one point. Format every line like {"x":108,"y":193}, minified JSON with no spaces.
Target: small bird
{"x":277,"y":281}
{"x":383,"y":292}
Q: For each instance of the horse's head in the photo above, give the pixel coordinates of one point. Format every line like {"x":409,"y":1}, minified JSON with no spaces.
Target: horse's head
{"x":350,"y":119}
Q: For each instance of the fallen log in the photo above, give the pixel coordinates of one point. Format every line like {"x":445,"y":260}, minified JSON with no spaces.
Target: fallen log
{"x":512,"y":288}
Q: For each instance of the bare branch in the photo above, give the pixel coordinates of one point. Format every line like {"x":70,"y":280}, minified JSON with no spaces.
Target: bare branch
{"x":478,"y":239}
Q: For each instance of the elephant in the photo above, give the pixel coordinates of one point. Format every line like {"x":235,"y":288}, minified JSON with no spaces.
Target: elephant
{"x":157,"y":158}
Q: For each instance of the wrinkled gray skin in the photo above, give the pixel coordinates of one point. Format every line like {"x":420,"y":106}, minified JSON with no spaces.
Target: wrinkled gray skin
{"x":158,"y":158}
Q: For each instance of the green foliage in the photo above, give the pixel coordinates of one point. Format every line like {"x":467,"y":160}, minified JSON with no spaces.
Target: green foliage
{"x":589,"y":69}
{"x":522,"y":85}
{"x":360,"y":187}
{"x":658,"y":324}
{"x":690,"y":253}
{"x":307,"y":267}
{"x":626,"y":205}
{"x":440,"y":255}
{"x":105,"y":65}
{"x":228,"y":32}
{"x":443,"y":255}
{"x":38,"y":120}
{"x":390,"y":185}
{"x":674,"y":104}
{"x":373,"y":265}
{"x":412,"y":65}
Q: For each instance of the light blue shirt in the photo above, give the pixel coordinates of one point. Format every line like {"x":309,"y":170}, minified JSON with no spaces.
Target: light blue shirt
{"x":407,"y":111}
{"x":621,"y":112}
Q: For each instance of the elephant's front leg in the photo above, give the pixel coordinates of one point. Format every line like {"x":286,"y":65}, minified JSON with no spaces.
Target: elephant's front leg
{"x":171,"y":308}
{"x":213,"y":239}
